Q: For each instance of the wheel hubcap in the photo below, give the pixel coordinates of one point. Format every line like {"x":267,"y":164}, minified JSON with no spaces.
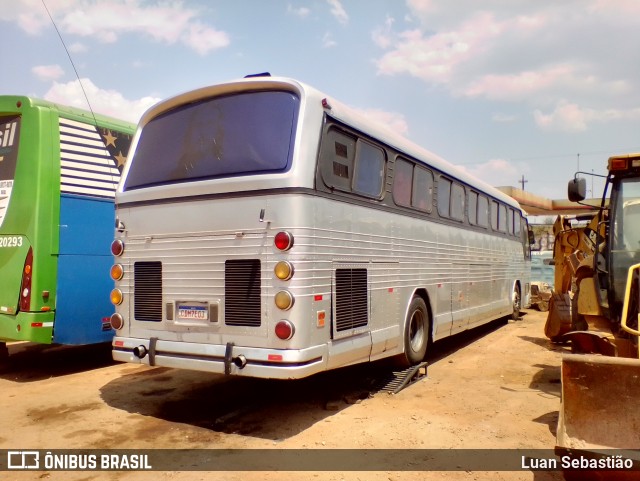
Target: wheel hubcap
{"x":416,"y":331}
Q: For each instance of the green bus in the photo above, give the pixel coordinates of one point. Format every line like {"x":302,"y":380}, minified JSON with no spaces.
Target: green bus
{"x":59,"y":168}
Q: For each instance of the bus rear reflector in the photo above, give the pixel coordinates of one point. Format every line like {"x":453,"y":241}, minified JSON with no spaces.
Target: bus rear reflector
{"x":117,"y":321}
{"x":284,"y":330}
{"x":117,"y":247}
{"x":274,"y":357}
{"x":25,"y":287}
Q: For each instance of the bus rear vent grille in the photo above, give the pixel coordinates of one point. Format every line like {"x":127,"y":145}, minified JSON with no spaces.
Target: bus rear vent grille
{"x":242,"y":293}
{"x":147,"y":291}
{"x":351,"y":299}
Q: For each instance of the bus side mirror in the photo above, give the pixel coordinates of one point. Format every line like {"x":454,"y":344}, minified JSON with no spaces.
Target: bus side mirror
{"x":532,"y":237}
{"x":577,"y":189}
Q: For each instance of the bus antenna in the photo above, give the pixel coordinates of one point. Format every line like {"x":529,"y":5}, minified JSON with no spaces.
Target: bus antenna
{"x":72,"y":64}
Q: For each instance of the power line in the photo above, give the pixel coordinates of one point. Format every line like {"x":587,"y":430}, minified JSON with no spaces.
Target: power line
{"x":608,"y":153}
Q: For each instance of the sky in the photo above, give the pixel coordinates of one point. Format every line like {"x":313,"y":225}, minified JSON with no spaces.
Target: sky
{"x":506,"y":90}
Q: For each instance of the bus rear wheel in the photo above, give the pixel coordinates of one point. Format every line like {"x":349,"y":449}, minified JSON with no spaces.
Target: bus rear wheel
{"x":416,"y":332}
{"x":517,"y":303}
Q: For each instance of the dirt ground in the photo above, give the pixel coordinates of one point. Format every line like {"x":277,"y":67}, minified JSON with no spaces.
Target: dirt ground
{"x":495,"y":387}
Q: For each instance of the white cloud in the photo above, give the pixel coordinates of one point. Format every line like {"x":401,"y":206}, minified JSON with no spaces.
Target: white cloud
{"x":389,"y":120}
{"x":48,"y":72}
{"x":203,"y":39}
{"x":169,"y":22}
{"x":569,"y":117}
{"x":78,"y":47}
{"x":497,"y":172}
{"x":503,"y":118}
{"x":328,"y":41}
{"x":434,"y":58}
{"x":338,"y":11}
{"x":107,"y":102}
{"x":301,"y":12}
{"x":383,"y":36}
{"x":533,"y":53}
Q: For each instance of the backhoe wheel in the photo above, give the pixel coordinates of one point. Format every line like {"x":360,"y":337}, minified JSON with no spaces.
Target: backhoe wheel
{"x":416,"y":332}
{"x":517,"y":303}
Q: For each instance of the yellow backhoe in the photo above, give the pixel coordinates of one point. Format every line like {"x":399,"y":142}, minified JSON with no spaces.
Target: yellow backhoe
{"x":595,"y":307}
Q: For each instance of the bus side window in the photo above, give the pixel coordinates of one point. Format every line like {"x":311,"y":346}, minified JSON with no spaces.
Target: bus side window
{"x":422,"y":193}
{"x":369,"y":169}
{"x":402,"y":174}
{"x":444,"y":196}
{"x":502,"y":218}
{"x":511,"y":221}
{"x":457,"y":201}
{"x":337,"y":159}
{"x":483,"y":211}
{"x":473,"y":208}
{"x":494,"y":215}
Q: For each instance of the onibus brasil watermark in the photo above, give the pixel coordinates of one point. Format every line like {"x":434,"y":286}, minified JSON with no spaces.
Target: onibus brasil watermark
{"x":34,"y":460}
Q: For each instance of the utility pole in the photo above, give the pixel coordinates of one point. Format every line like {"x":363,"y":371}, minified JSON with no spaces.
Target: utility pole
{"x":522,"y":181}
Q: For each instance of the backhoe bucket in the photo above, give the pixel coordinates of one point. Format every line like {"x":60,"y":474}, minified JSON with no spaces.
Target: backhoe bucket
{"x":599,"y":408}
{"x":559,"y":317}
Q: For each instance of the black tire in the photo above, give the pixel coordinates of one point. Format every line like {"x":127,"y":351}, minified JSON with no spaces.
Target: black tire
{"x":516,"y":302}
{"x":416,"y":332}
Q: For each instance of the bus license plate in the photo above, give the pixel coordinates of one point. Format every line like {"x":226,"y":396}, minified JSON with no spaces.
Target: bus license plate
{"x":193,"y":311}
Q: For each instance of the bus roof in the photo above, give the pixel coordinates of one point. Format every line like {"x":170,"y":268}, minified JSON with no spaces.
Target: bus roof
{"x":339,"y":111}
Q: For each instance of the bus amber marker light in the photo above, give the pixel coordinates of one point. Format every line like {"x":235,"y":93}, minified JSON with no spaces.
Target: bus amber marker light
{"x":117,"y":247}
{"x":283,"y":241}
{"x":284,"y":330}
{"x":116,"y":297}
{"x":283,"y":270}
{"x":117,"y":272}
{"x":284,"y":300}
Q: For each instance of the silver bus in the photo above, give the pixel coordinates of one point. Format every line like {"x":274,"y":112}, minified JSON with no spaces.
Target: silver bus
{"x":265,"y":229}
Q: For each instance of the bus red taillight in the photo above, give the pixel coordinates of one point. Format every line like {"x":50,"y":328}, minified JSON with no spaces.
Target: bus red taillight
{"x":284,"y":330}
{"x":283,"y":241}
{"x":117,"y":247}
{"x":25,"y":287}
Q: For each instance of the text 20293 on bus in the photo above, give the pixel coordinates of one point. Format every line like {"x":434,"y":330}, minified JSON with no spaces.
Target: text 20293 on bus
{"x":264,"y":229}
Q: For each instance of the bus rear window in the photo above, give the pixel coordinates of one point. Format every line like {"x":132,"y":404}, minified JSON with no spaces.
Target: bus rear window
{"x":9,"y":136}
{"x":9,"y":140}
{"x":242,"y":134}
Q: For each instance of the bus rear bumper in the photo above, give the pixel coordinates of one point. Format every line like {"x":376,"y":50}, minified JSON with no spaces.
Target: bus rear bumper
{"x":222,"y":359}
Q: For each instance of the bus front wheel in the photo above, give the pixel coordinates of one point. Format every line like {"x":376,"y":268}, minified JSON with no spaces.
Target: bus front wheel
{"x":416,"y":332}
